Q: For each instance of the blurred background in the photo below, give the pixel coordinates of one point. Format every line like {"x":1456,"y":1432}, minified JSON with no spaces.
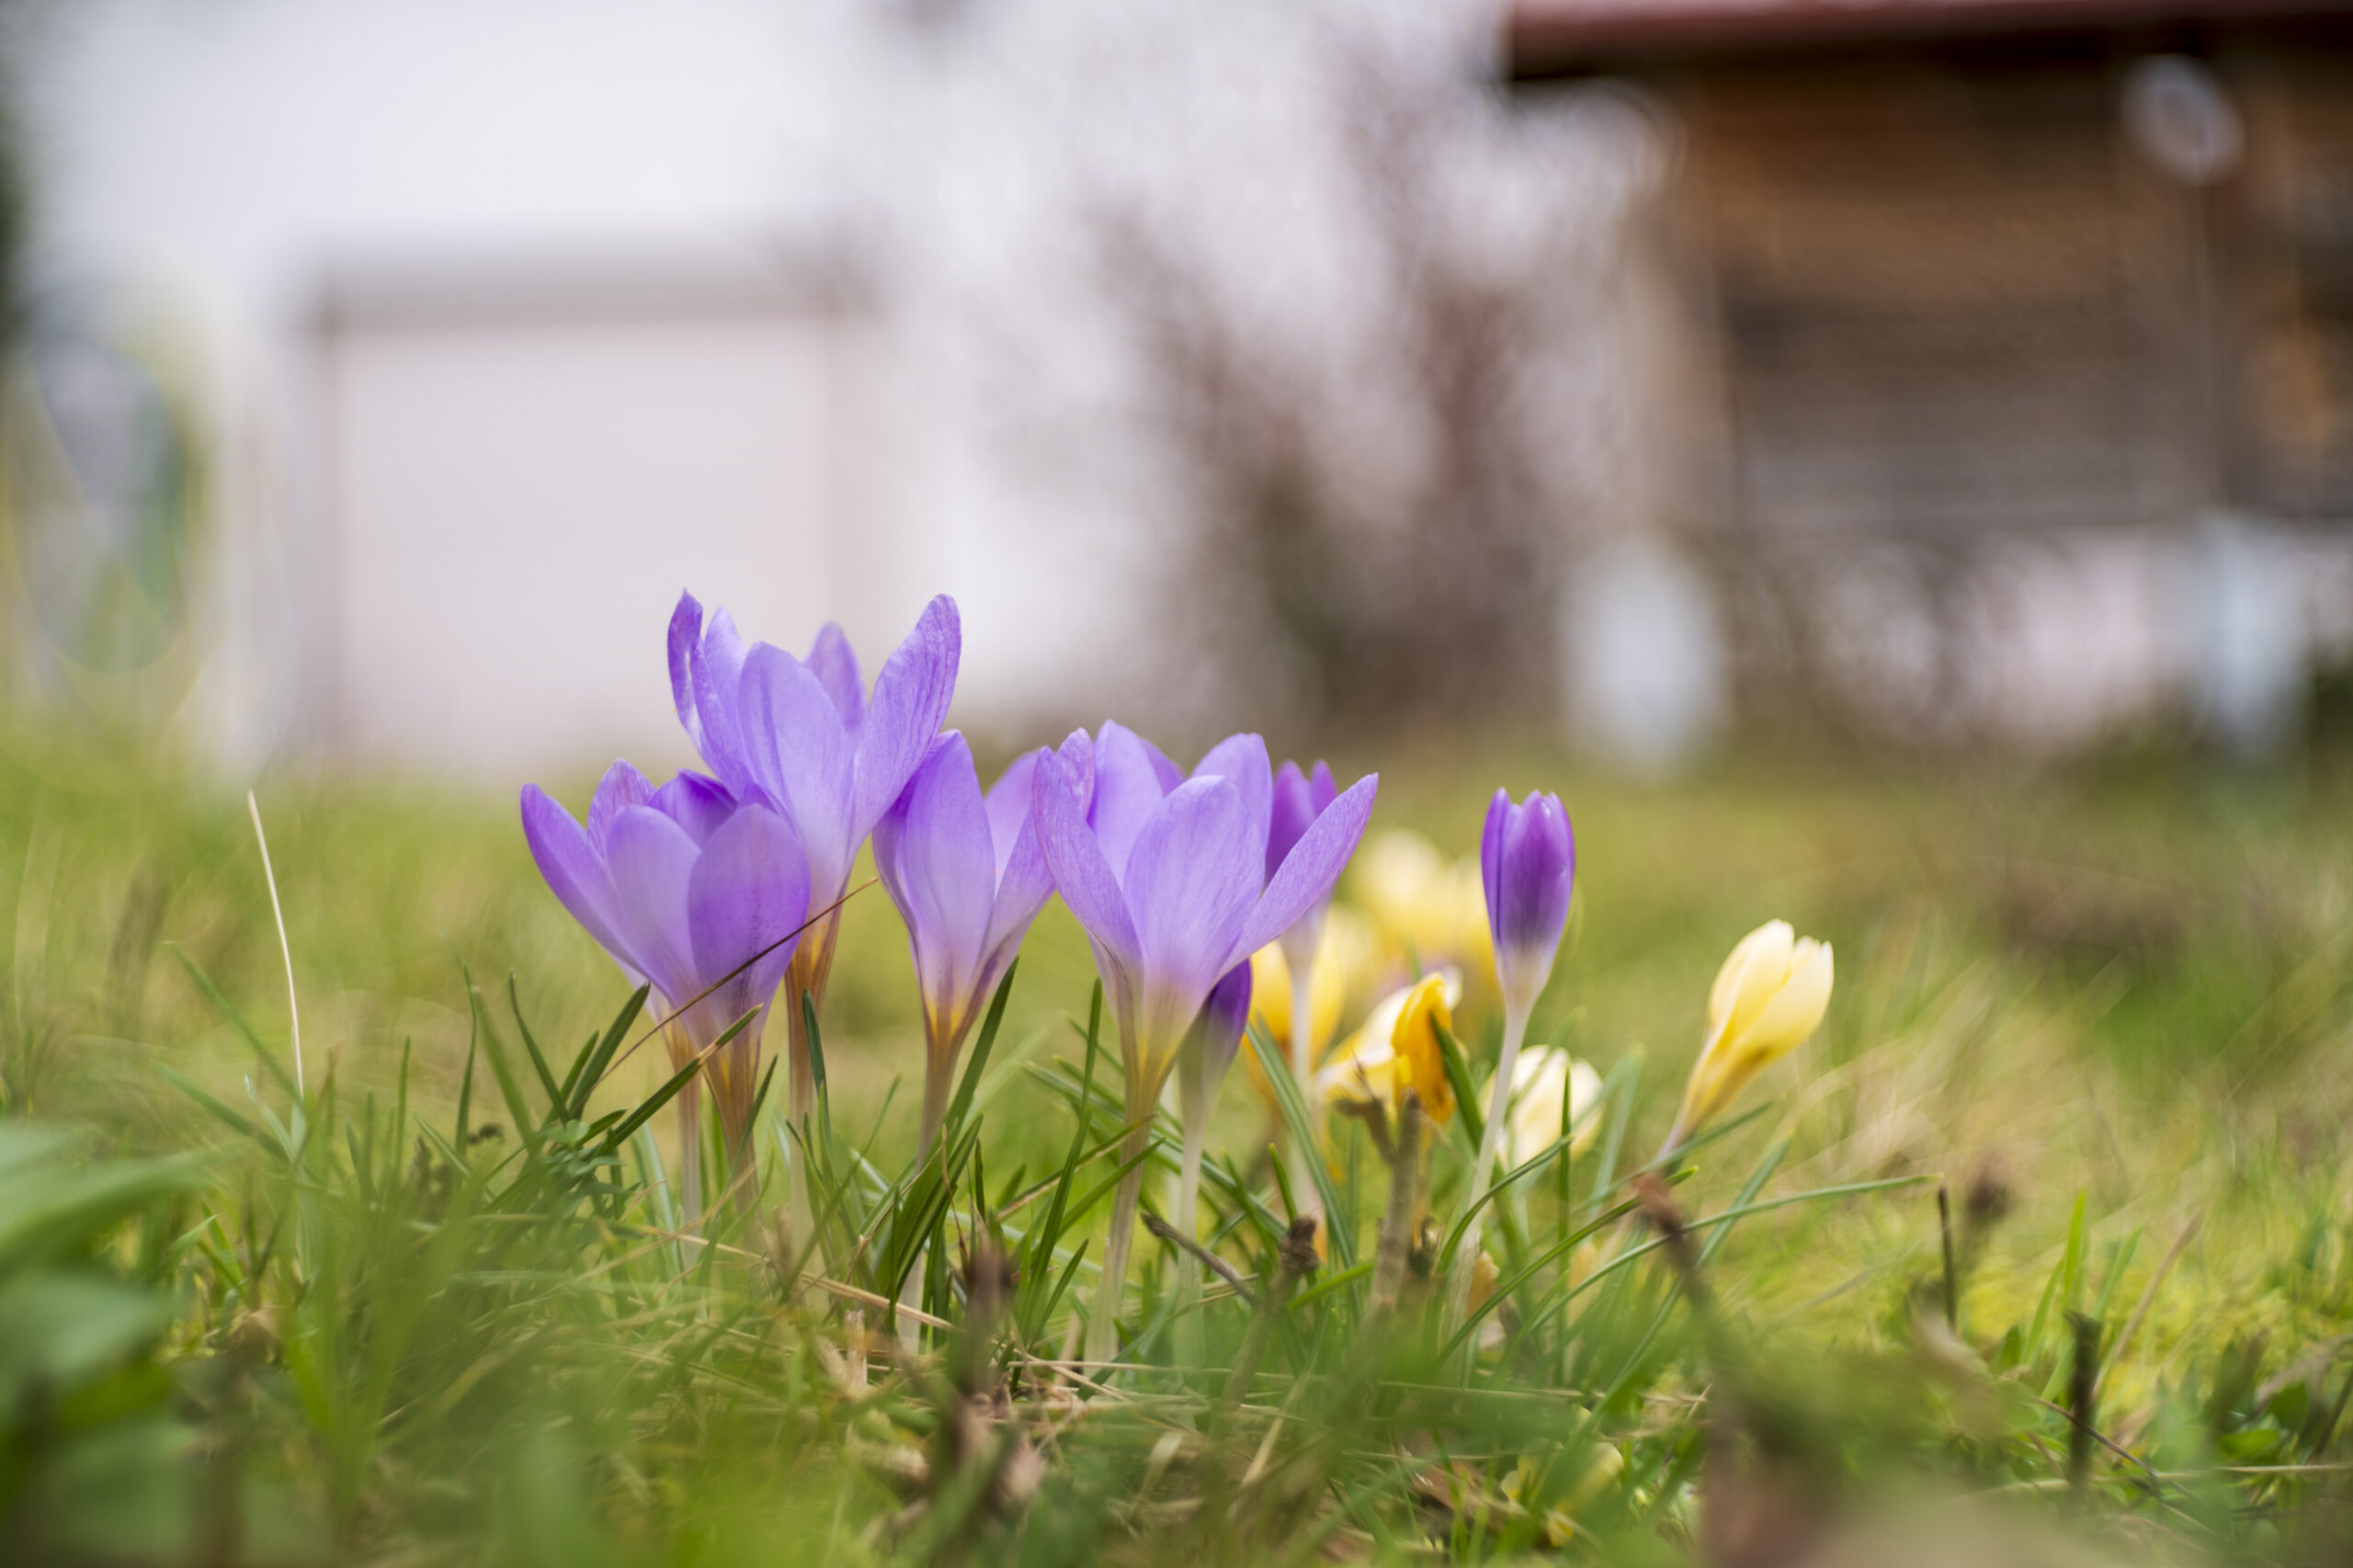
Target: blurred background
{"x":1972,"y":377}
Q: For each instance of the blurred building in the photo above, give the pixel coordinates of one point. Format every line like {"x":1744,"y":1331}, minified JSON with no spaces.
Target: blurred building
{"x":486,"y":329}
{"x":2006,"y":345}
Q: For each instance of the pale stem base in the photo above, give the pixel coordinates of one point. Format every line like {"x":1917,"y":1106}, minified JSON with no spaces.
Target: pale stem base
{"x":1483,"y":1174}
{"x":1303,"y":1190}
{"x":1103,"y":1312}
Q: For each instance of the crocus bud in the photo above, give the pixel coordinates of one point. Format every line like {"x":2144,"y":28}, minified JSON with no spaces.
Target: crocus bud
{"x":1527,"y":859}
{"x":1768,"y":999}
{"x":1544,"y":1079}
{"x":1223,"y":1017}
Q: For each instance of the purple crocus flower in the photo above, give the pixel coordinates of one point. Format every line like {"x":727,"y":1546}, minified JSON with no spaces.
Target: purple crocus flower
{"x":802,"y":736}
{"x":690,"y":890}
{"x":1527,"y":858}
{"x":1169,"y":880}
{"x":967,"y":875}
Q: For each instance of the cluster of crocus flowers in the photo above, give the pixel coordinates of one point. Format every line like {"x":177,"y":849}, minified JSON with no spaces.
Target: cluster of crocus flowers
{"x":1167,"y":875}
{"x":1768,"y":999}
{"x":803,"y":736}
{"x":699,"y":893}
{"x":1204,"y":896}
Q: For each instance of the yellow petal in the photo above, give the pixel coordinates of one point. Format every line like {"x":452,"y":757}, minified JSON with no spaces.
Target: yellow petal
{"x":1788,"y":1020}
{"x":1757,"y":967}
{"x":1421,"y":1060}
{"x":1768,"y":1000}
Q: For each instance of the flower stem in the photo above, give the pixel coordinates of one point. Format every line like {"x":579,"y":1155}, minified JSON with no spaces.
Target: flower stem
{"x":1103,"y":1313}
{"x":1482,"y":1172}
{"x":1189,"y":1267}
{"x":1302,"y":1065}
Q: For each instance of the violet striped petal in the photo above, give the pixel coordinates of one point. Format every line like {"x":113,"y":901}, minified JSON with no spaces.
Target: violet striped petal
{"x":652,"y":862}
{"x":1224,"y":1016}
{"x":911,"y":698}
{"x":803,"y":760}
{"x":1129,"y":787}
{"x":1241,"y":760}
{"x":575,"y":874}
{"x":1305,"y":877}
{"x":1193,"y":876}
{"x":932,"y":850}
{"x":1008,"y":807}
{"x":835,"y":664}
{"x":717,"y":671}
{"x":1081,"y":873}
{"x":686,"y":638}
{"x":746,"y":893}
{"x":622,"y":785}
{"x":701,"y":805}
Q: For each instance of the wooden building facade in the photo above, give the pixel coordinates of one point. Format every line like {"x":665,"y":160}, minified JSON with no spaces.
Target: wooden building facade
{"x":1961,"y":272}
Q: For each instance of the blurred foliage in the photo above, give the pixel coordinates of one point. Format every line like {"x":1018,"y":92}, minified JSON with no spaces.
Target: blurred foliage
{"x":437,"y":1309}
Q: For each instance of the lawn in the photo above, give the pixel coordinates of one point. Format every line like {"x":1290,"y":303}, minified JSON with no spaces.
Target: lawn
{"x":419,"y":1315}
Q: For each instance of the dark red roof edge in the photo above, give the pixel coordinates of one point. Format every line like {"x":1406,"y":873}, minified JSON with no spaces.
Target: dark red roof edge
{"x":1543,"y":40}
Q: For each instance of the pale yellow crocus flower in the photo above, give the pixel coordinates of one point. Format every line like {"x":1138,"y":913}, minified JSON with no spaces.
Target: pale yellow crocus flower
{"x":1421,"y":900}
{"x":1540,"y":1080}
{"x":1397,"y":1050}
{"x":1768,"y":1000}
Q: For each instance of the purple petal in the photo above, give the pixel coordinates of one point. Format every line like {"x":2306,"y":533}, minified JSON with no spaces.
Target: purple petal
{"x":1305,"y":877}
{"x":1294,"y":807}
{"x":1320,"y":788}
{"x":700,"y":804}
{"x":1130,"y":784}
{"x":835,"y":664}
{"x":1490,"y":858}
{"x":932,"y":851}
{"x":574,"y":872}
{"x":686,"y":634}
{"x":801,"y":758}
{"x":1536,"y":869}
{"x":1193,"y":876}
{"x":1023,"y":882}
{"x":1241,"y":760}
{"x":717,"y":673}
{"x":621,"y":786}
{"x":1009,"y":806}
{"x":1225,"y":1015}
{"x":746,"y":893}
{"x":1081,"y":873}
{"x":911,"y":698}
{"x":1077,"y":756}
{"x":651,"y":860}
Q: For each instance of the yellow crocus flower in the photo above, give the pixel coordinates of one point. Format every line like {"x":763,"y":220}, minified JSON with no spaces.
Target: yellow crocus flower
{"x":1397,"y":1050}
{"x":1421,"y":900}
{"x":1768,"y":1000}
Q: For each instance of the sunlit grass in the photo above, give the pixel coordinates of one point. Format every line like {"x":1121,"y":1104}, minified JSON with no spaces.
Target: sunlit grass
{"x":392,"y":1336}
